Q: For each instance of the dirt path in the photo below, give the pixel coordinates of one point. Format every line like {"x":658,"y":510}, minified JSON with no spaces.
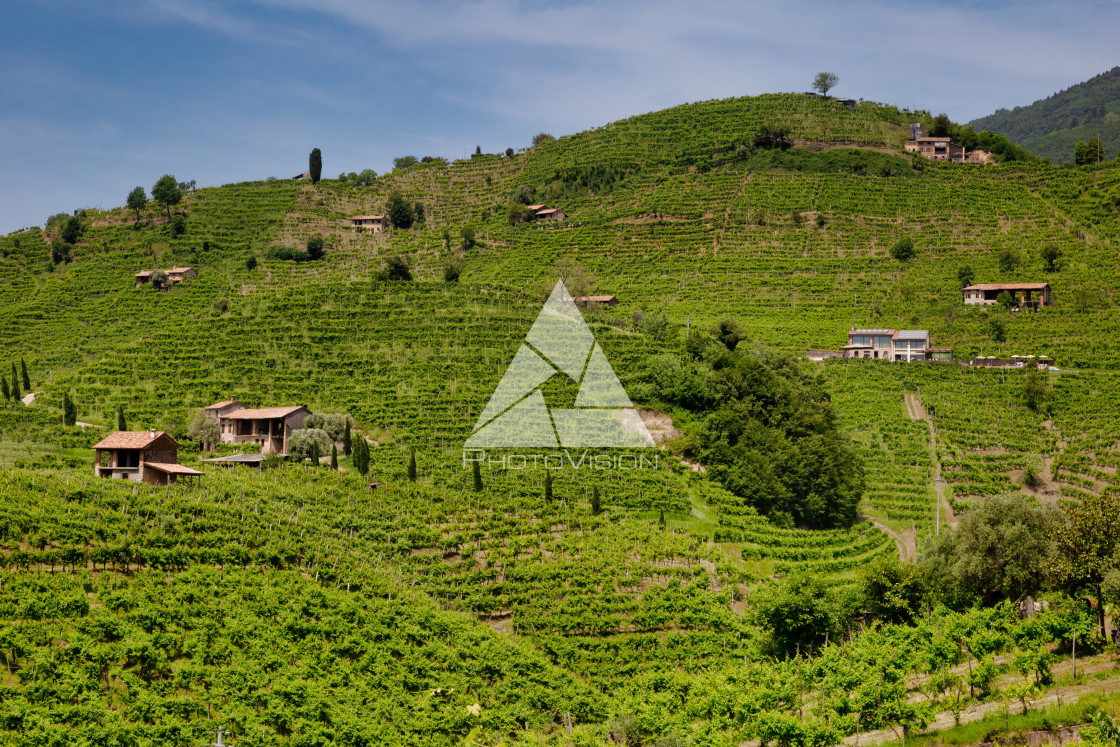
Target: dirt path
{"x":947,"y":720}
{"x":907,"y":547}
{"x":917,"y":412}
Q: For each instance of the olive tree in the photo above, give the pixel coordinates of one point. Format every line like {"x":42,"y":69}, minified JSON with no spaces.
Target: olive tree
{"x":825,"y":82}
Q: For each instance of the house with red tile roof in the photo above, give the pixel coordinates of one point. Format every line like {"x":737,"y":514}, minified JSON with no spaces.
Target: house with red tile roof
{"x":987,"y":294}
{"x":268,"y":427}
{"x":141,"y":456}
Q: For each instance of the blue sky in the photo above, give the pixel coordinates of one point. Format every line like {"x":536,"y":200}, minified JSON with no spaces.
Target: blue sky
{"x":100,"y":97}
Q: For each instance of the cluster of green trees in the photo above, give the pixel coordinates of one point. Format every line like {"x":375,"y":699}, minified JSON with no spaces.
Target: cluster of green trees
{"x":1003,"y":549}
{"x":765,"y":427}
{"x":403,"y":213}
{"x":1089,"y":152}
{"x":12,"y":390}
{"x":315,"y":251}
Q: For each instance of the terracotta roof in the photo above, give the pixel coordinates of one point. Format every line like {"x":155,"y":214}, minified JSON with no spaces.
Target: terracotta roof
{"x":172,"y":469}
{"x":367,"y":217}
{"x":130,"y":440}
{"x":535,"y":208}
{"x":142,"y":273}
{"x":223,"y":403}
{"x":1008,"y":286}
{"x":594,"y":299}
{"x":548,"y":211}
{"x":181,"y":269}
{"x":264,"y":413}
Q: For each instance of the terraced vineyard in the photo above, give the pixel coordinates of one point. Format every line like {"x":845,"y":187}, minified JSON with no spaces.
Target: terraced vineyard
{"x":633,"y":624}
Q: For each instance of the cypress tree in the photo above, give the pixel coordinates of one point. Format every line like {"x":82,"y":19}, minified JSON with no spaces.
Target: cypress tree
{"x":314,"y":454}
{"x":334,"y":457}
{"x":596,"y":505}
{"x":361,"y":456}
{"x":69,"y":410}
{"x":315,"y":165}
{"x":4,"y":388}
{"x":347,"y":444}
{"x":661,"y":519}
{"x":412,"y":465}
{"x":548,"y":486}
{"x":477,"y":474}
{"x":26,"y":378}
{"x":121,"y":424}
{"x":15,"y":383}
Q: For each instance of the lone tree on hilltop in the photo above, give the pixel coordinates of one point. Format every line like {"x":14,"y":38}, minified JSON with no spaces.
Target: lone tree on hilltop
{"x":167,"y":192}
{"x":315,"y":165}
{"x":825,"y":82}
{"x":542,"y":137}
{"x":137,"y":201}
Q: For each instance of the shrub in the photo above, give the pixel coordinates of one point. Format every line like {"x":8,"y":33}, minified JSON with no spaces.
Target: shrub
{"x":452,"y":271}
{"x":303,"y":441}
{"x":332,"y":423}
{"x":285,"y":252}
{"x":904,"y":249}
{"x":396,"y":268}
{"x":315,"y":247}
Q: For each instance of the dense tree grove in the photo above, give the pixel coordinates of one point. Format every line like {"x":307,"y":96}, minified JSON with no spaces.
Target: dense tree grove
{"x":766,"y":429}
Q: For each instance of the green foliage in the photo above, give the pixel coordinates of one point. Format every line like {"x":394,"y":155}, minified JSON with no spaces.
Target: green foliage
{"x":825,"y":82}
{"x":167,"y":192}
{"x":412,"y":472}
{"x":315,"y":248}
{"x":1089,"y":153}
{"x":251,"y":262}
{"x":308,"y":443}
{"x":1085,"y":547}
{"x":122,"y":425}
{"x":204,"y":427}
{"x":997,"y":328}
{"x":334,"y":457}
{"x":997,"y":551}
{"x":767,"y":432}
{"x":468,"y":235}
{"x":315,"y":165}
{"x":903,"y":249}
{"x":798,"y":614}
{"x":347,"y":439}
{"x":178,"y":225}
{"x":360,"y":455}
{"x":1051,"y":257}
{"x":772,"y":135}
{"x":335,"y":425}
{"x":452,"y":270}
{"x":542,"y":137}
{"x":548,"y":486}
{"x":69,"y":410}
{"x":137,"y":201}
{"x":287,"y":253}
{"x":396,"y":268}
{"x":596,"y":502}
{"x":399,"y":210}
{"x":893,"y":592}
{"x":476,"y":477}
{"x":1037,"y":392}
{"x":72,"y":230}
{"x":965,"y":275}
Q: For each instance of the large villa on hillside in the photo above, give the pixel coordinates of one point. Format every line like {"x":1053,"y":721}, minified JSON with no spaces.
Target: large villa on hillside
{"x":906,"y":345}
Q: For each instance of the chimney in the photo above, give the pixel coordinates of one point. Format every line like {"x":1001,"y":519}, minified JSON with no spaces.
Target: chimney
{"x":152,"y":432}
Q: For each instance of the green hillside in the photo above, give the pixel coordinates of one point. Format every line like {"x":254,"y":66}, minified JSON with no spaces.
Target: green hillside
{"x":1050,"y":127}
{"x":307,"y":606}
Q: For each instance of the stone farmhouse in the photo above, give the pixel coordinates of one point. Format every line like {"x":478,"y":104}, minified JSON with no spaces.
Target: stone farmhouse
{"x":987,"y":294}
{"x":942,"y":149}
{"x":544,"y":212}
{"x":268,"y":427}
{"x":375,"y":223}
{"x":602,"y":300}
{"x":906,"y":345}
{"x":140,"y":456}
{"x":174,"y":276}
